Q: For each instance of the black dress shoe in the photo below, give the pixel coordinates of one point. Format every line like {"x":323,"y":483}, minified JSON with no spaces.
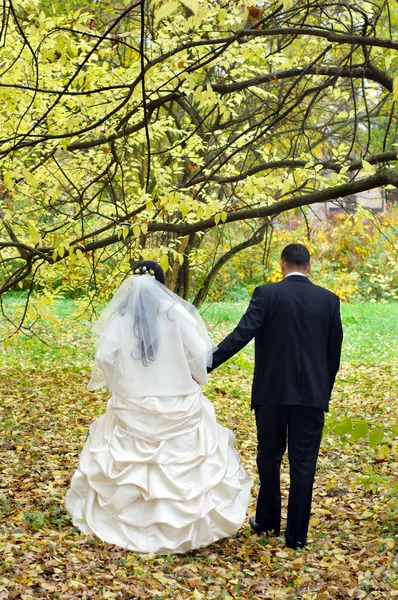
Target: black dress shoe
{"x":294,"y":545}
{"x":260,"y":529}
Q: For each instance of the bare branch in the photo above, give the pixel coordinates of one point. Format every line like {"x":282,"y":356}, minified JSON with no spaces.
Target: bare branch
{"x":332,"y":36}
{"x":354,"y":72}
{"x":329,"y":165}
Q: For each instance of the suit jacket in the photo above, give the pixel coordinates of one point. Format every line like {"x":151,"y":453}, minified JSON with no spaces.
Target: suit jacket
{"x":298,"y":337}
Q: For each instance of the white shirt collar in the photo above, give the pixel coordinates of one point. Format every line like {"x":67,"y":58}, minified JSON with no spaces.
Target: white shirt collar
{"x":295,"y":273}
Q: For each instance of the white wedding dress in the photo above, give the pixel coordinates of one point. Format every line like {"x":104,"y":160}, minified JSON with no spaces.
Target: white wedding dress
{"x":157,"y":473}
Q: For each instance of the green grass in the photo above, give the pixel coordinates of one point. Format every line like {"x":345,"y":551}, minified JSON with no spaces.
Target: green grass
{"x":370,"y":330}
{"x":370,"y":334}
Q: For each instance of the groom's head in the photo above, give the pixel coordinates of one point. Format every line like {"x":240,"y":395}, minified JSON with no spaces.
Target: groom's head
{"x":295,"y":257}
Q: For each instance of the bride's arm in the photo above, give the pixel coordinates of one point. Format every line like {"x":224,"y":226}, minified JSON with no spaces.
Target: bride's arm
{"x":107,"y":354}
{"x":196,"y":347}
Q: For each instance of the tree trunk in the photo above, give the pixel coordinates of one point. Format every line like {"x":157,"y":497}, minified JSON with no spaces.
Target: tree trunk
{"x":256,"y":238}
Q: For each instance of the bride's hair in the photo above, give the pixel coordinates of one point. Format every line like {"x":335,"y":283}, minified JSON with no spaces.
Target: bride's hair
{"x":150,"y":267}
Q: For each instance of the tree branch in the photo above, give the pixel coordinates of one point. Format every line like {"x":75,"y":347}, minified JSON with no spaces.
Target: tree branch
{"x":331,"y":36}
{"x":356,"y":71}
{"x":384,"y":176}
{"x":256,"y":238}
{"x":151,"y":106}
{"x":329,"y":165}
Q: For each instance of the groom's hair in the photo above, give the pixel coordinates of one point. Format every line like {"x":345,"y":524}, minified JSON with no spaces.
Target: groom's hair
{"x":296,"y":255}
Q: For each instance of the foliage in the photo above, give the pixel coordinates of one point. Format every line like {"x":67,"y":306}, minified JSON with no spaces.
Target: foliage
{"x":354,"y":255}
{"x":134,"y":130}
{"x":46,"y":410}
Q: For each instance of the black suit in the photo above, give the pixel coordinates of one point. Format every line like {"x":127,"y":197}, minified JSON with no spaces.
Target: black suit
{"x":298,"y":336}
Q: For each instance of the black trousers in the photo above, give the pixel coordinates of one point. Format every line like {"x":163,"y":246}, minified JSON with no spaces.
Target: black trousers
{"x":301,"y":427}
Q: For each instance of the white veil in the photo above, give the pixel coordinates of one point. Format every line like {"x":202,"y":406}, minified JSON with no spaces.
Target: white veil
{"x":140,"y":297}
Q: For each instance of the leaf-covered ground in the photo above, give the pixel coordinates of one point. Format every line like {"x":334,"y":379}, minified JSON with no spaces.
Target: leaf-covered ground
{"x":45,"y":412}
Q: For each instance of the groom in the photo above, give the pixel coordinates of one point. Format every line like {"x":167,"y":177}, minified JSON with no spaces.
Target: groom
{"x":298,"y":337}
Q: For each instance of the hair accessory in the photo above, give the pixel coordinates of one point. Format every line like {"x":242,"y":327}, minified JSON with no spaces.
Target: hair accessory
{"x":144,"y":271}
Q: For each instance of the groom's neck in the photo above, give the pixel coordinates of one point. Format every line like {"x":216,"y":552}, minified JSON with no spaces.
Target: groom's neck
{"x":287,"y":269}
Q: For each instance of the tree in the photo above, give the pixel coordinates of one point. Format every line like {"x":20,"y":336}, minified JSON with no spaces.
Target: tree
{"x":135,"y":130}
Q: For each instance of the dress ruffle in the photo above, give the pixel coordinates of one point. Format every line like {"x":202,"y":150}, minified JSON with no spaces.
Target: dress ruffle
{"x":158,"y":474}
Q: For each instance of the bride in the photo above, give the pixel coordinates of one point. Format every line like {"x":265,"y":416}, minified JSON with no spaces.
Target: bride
{"x":157,"y":473}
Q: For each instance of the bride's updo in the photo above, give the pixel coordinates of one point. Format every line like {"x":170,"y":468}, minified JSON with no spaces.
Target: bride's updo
{"x":149,"y":267}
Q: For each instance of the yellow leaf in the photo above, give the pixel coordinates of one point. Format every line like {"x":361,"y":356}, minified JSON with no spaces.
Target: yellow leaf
{"x":125,"y":232}
{"x":166,"y":10}
{"x":34,"y":234}
{"x":197,"y":595}
{"x":222,"y":15}
{"x":224,"y":216}
{"x":144,"y":228}
{"x":384,"y":451}
{"x":137,"y":230}
{"x":164,"y":262}
{"x":395,"y":89}
{"x":217,"y":219}
{"x":193,"y":5}
{"x":49,"y":587}
{"x":164,"y":580}
{"x":184,"y":208}
{"x":8,"y":180}
{"x":340,"y":557}
{"x":297,"y":563}
{"x":34,"y":182}
{"x":285,"y":187}
{"x":60,"y":43}
{"x":367,"y":166}
{"x":314,"y":522}
{"x":265,"y":558}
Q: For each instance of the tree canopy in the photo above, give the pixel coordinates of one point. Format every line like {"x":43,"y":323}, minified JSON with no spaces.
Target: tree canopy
{"x":132,"y":130}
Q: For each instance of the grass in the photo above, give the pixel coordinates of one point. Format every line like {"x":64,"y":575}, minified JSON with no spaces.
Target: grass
{"x":370,"y":330}
{"x":370,"y":333}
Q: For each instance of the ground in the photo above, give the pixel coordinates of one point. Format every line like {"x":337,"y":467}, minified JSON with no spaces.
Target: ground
{"x":45,"y":411}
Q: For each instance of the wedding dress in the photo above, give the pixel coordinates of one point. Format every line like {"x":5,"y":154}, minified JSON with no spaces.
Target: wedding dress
{"x":157,"y":473}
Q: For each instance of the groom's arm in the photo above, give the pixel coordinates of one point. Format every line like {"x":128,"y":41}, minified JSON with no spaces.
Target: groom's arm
{"x":249,"y":325}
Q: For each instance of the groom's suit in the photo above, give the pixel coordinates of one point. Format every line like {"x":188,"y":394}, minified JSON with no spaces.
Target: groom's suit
{"x":298,"y":337}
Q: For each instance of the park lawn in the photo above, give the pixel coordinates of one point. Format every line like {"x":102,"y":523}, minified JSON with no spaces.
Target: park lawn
{"x":45,"y":412}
